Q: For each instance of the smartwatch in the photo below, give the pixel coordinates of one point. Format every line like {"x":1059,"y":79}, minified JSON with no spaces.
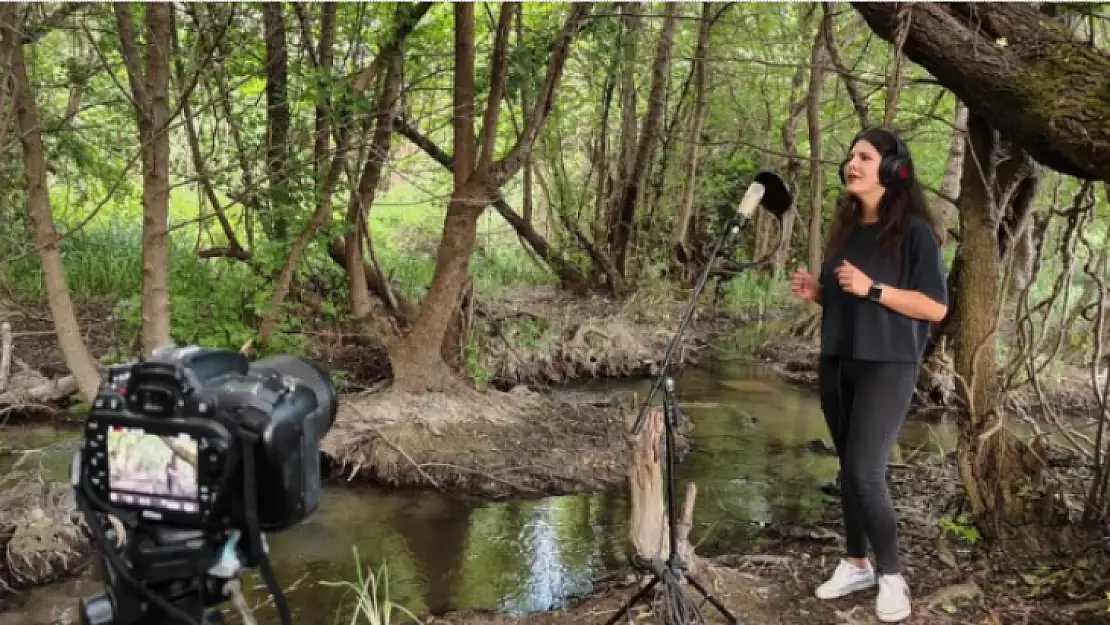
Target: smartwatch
{"x":875,"y":293}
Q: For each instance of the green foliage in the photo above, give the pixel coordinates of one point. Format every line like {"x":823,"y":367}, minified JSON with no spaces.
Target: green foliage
{"x":757,"y":68}
{"x":962,"y":527}
{"x":472,"y":363}
{"x":374,"y":604}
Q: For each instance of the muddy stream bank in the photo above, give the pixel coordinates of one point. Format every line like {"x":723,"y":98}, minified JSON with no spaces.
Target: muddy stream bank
{"x":753,"y":460}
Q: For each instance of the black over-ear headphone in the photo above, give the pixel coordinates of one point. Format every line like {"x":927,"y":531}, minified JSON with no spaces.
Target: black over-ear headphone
{"x":895,"y":169}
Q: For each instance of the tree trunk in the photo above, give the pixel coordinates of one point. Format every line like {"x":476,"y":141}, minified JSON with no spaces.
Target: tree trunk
{"x":792,"y":165}
{"x":325,"y":55}
{"x":599,"y":158}
{"x":320,"y":216}
{"x":813,"y":116}
{"x":156,"y":182}
{"x":1042,"y":88}
{"x":681,"y":235}
{"x":417,"y":359}
{"x":326,"y":185}
{"x":629,"y":130}
{"x":943,"y":207}
{"x":570,"y":275}
{"x":649,"y":134}
{"x":358,"y":214}
{"x":78,"y":359}
{"x":402,"y":309}
{"x":277,"y":118}
{"x":977,"y":275}
{"x":149,"y":88}
{"x":993,"y":462}
{"x":527,"y":202}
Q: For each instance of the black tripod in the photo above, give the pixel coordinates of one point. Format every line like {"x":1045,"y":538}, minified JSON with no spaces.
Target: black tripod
{"x":171,"y":564}
{"x":772,"y":192}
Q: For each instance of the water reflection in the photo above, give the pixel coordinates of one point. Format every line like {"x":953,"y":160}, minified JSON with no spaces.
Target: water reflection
{"x":750,"y":461}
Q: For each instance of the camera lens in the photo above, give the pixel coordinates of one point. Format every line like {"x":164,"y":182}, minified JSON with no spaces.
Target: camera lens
{"x":309,"y":374}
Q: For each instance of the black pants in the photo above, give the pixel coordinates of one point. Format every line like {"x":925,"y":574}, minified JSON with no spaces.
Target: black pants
{"x":865,"y":404}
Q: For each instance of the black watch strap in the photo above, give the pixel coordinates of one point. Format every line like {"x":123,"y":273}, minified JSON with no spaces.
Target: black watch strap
{"x":875,"y":293}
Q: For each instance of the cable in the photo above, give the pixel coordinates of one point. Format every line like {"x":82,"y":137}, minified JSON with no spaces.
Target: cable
{"x":674,"y":606}
{"x":118,"y":567}
{"x":253,"y":526}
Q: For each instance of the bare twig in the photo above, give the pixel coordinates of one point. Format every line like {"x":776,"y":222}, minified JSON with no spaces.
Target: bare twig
{"x":385,"y":439}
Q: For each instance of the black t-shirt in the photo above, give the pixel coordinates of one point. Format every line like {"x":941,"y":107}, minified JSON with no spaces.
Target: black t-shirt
{"x":855,"y":327}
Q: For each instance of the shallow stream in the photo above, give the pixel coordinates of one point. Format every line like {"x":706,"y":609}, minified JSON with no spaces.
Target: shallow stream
{"x":752,"y":463}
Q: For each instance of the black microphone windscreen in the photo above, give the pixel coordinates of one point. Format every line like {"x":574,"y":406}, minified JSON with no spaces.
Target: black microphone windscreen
{"x":777,"y":198}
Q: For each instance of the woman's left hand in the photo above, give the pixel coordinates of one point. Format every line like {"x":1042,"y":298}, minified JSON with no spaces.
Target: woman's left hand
{"x":852,"y":280}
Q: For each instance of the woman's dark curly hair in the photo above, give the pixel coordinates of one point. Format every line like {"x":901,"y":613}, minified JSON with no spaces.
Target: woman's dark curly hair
{"x":898,"y":203}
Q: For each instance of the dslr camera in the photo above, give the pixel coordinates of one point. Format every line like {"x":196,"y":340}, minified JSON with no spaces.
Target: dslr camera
{"x":193,"y":453}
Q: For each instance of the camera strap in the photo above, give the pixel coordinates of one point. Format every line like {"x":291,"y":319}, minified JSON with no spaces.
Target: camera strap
{"x":253,"y":420}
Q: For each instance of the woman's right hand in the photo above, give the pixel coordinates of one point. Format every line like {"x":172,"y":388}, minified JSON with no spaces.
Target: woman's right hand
{"x":803,"y":285}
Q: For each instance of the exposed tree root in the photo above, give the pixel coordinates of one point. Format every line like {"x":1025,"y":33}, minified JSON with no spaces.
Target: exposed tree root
{"x":491,"y":443}
{"x":41,"y":531}
{"x":550,"y":338}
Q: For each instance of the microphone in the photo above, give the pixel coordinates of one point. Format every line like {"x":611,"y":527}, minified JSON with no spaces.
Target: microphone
{"x":768,"y":189}
{"x":751,"y":200}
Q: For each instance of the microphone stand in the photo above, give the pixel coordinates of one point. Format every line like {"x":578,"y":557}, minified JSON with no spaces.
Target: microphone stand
{"x":673,"y":571}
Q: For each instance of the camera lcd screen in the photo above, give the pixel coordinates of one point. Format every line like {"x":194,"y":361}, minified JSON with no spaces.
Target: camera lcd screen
{"x":152,"y":471}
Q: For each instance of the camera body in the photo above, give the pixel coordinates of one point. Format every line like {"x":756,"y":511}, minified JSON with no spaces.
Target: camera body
{"x":167,"y":439}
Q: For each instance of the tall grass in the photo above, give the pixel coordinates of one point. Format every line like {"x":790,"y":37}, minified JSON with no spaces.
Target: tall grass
{"x":99,"y":262}
{"x":212,"y":301}
{"x":219,"y":301}
{"x":373,"y":602}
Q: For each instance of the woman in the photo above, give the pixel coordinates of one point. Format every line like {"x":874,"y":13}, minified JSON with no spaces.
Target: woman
{"x":880,"y":287}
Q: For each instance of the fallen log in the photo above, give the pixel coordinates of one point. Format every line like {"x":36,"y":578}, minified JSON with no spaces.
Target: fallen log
{"x":21,"y":386}
{"x":31,"y":389}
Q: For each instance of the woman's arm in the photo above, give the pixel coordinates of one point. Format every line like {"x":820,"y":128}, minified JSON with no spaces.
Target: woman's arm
{"x":912,"y":304}
{"x":926,"y":295}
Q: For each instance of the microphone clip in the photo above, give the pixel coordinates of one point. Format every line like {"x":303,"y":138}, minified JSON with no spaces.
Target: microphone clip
{"x":736,"y":223}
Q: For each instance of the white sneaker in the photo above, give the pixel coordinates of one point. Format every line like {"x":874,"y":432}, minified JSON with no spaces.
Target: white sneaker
{"x":893,"y":603}
{"x":847,"y":579}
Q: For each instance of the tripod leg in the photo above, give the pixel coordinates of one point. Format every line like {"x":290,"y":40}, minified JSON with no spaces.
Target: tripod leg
{"x":716,"y":602}
{"x":631,"y":602}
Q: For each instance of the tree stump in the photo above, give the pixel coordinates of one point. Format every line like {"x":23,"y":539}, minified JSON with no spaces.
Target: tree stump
{"x":5,"y":354}
{"x":648,"y":529}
